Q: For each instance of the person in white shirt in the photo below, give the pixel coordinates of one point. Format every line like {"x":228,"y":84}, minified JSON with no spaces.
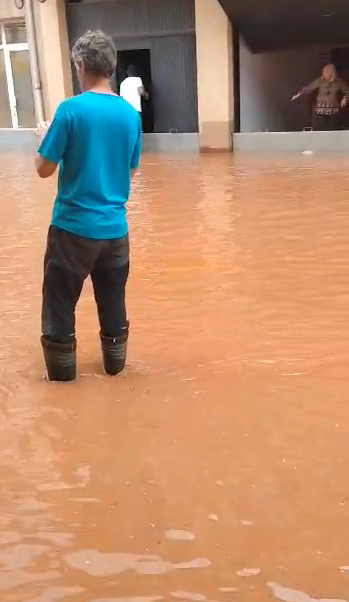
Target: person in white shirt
{"x":132,"y":89}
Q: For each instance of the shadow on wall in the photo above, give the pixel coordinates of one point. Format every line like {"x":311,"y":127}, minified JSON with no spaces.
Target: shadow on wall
{"x":269,"y":80}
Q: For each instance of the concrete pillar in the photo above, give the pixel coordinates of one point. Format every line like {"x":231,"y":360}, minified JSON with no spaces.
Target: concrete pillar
{"x":54,"y":53}
{"x":214,"y":50}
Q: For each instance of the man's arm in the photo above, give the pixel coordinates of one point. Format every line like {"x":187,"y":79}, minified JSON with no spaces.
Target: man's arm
{"x":41,"y":132}
{"x":310,"y":87}
{"x":137,"y":151}
{"x":141,"y":89}
{"x":307,"y":89}
{"x":45,"y":169}
{"x":342,"y":86}
{"x":54,"y":144}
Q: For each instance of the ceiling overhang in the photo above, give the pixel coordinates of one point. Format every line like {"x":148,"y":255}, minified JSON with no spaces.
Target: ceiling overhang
{"x":275,"y":24}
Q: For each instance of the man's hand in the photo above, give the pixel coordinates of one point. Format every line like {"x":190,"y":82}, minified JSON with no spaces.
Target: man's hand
{"x":295,"y":97}
{"x":44,"y":168}
{"x":344,"y":102}
{"x":42,"y":128}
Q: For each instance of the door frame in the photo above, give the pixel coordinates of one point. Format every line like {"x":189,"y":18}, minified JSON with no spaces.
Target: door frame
{"x":7,"y":49}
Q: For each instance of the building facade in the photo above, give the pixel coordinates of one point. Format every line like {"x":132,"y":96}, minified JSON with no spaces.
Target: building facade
{"x":182,"y":49}
{"x":16,"y":92}
{"x":210,"y":82}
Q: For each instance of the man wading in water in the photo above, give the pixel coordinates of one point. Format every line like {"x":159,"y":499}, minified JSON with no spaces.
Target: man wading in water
{"x":96,"y":138}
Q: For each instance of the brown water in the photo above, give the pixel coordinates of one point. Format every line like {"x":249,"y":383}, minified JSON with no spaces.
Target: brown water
{"x":216,"y":468}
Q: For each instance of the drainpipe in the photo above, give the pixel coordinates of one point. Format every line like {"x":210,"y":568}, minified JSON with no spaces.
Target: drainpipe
{"x":34,"y":62}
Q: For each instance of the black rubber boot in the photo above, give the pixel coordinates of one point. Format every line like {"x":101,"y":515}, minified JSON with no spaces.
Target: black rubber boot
{"x":114,"y":351}
{"x":60,"y":360}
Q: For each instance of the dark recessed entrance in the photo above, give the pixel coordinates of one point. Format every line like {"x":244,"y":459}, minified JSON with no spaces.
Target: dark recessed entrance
{"x":140,"y":59}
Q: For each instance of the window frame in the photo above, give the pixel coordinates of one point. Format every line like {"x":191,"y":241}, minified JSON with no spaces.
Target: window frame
{"x":7,"y":48}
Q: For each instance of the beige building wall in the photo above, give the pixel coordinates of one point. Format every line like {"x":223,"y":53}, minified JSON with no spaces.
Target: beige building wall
{"x":214,"y":50}
{"x":8,"y":10}
{"x":54,"y":53}
{"x":52,"y":47}
{"x":214,"y":64}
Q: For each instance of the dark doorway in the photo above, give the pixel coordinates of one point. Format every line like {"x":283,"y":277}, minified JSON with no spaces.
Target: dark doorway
{"x":340,"y":58}
{"x":236,"y":78}
{"x":140,"y":59}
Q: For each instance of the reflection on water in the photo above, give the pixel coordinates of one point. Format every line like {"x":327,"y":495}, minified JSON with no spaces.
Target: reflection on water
{"x":180,"y":535}
{"x":291,"y":595}
{"x":189,"y":596}
{"x":224,"y":444}
{"x":248,"y":572}
{"x":104,"y":565}
{"x":132,"y":599}
{"x":15,"y":578}
{"x":55,"y":594}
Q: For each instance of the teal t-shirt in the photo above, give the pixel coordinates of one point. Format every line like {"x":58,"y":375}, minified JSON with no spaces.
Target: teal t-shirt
{"x":97,"y":140}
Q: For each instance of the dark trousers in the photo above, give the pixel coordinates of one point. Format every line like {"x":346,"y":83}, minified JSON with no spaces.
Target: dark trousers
{"x":325,"y":123}
{"x":69,"y":260}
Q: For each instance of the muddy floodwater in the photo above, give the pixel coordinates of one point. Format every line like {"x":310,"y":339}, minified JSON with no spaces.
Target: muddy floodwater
{"x":216,"y":468}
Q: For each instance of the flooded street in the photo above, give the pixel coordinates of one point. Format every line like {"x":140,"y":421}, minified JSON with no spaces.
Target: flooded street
{"x":216,"y":468}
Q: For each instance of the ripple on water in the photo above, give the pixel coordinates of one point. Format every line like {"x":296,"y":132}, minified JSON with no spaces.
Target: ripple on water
{"x":228,"y":590}
{"x":7,"y":537}
{"x":20,"y":555}
{"x":180,"y":535}
{"x":248,"y":572}
{"x":189,"y":596}
{"x":61,"y":540}
{"x":246,"y":523}
{"x":85,"y":500}
{"x":132,"y":599}
{"x":16,"y":578}
{"x":100,"y":564}
{"x":292,"y":595}
{"x":54,"y":594}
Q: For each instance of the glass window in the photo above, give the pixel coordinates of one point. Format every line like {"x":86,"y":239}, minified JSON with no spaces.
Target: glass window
{"x":23,"y":88}
{"x":5,"y":113}
{"x":15,"y":33}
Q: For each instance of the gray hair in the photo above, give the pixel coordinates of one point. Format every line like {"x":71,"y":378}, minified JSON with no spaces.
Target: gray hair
{"x":97,"y":52}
